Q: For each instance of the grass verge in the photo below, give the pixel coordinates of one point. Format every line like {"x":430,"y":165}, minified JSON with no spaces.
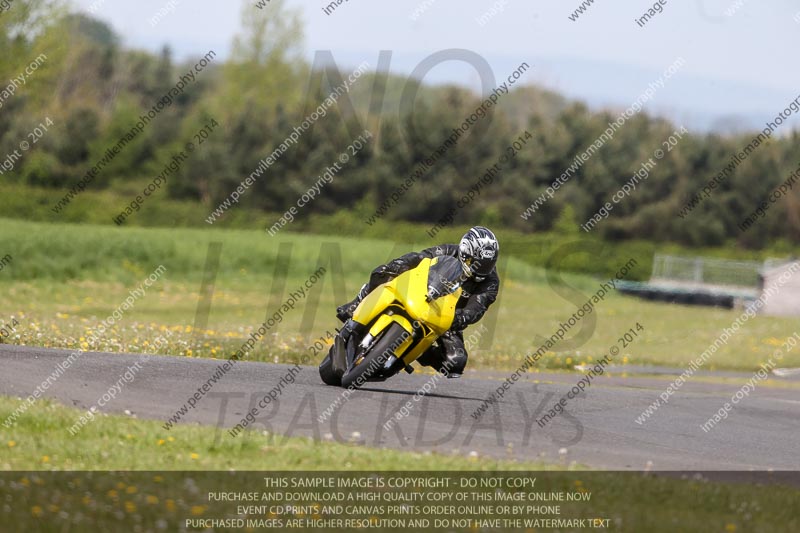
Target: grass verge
{"x":40,"y":440}
{"x":171,"y":479}
{"x":63,"y":281}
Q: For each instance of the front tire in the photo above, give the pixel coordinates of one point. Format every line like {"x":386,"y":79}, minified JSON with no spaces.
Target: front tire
{"x":376,"y":358}
{"x":327,"y":373}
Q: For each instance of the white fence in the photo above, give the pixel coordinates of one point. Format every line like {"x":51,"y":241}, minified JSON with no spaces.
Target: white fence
{"x":670,"y":269}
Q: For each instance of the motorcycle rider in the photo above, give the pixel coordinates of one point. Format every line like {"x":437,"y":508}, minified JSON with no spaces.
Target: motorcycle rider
{"x":477,"y":252}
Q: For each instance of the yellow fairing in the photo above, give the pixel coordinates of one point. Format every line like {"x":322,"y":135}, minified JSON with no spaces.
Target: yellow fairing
{"x":408,"y":291}
{"x":384,"y":321}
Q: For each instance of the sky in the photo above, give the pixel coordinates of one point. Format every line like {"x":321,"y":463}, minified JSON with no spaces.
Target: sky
{"x":739,"y":69}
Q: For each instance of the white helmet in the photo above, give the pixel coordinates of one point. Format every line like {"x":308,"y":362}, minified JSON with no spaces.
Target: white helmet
{"x":478,"y":251}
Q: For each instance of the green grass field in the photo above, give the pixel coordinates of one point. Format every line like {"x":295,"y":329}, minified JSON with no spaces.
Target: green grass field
{"x":41,"y":494}
{"x":64,"y":280}
{"x":40,"y":440}
{"x":24,"y":202}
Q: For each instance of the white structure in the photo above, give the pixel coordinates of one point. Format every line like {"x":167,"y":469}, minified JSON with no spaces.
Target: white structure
{"x":784,"y":280}
{"x":673,"y":270}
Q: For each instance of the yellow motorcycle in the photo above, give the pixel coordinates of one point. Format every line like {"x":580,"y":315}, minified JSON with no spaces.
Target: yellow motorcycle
{"x":395,"y":324}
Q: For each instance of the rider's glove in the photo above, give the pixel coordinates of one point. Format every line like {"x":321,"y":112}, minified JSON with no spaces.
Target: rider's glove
{"x":459,"y":321}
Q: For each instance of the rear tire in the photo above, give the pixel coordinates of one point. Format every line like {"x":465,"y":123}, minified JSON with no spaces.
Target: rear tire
{"x":376,"y":357}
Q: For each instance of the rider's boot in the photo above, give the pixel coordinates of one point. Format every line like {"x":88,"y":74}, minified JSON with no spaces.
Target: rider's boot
{"x":447,"y":355}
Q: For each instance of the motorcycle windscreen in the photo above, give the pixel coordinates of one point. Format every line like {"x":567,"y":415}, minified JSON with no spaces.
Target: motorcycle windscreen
{"x":433,"y":293}
{"x":411,"y":288}
{"x":444,"y":276}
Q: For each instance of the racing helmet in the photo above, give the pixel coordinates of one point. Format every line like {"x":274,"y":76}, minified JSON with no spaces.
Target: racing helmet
{"x":478,"y":251}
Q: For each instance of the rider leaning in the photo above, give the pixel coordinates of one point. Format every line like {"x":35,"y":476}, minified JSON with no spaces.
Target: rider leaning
{"x":477,"y":252}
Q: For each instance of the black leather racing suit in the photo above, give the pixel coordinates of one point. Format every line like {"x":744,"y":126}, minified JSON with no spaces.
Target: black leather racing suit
{"x":448,"y":355}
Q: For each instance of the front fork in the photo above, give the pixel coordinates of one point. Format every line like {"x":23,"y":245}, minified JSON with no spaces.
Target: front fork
{"x":345,"y":346}
{"x":353,"y":339}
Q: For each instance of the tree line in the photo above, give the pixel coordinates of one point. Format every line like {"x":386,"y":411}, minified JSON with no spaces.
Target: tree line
{"x":94,"y":90}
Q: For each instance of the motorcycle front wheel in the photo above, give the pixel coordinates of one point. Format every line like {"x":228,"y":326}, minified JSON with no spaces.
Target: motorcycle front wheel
{"x":376,"y":357}
{"x":326,"y":372}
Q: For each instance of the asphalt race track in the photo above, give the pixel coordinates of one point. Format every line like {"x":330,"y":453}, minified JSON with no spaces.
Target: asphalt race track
{"x":598,"y":428}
